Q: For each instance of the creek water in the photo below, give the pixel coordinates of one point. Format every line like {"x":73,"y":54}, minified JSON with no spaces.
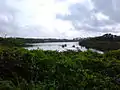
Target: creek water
{"x":59,"y":46}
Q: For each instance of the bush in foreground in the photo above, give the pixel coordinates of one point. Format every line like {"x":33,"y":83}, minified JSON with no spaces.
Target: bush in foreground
{"x":22,"y":69}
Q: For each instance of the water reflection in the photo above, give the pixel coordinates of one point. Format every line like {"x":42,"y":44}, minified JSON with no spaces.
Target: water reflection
{"x":59,"y":46}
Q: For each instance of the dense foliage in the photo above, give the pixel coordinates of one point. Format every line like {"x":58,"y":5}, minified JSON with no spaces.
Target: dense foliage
{"x":12,"y":42}
{"x":22,"y":69}
{"x":106,"y":42}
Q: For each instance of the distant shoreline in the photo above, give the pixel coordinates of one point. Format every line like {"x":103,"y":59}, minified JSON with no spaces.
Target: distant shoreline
{"x":103,"y":43}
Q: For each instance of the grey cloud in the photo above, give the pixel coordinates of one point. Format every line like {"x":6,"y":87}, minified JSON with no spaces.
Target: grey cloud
{"x":77,"y":12}
{"x":85,"y":19}
{"x":7,"y":20}
{"x":110,"y":8}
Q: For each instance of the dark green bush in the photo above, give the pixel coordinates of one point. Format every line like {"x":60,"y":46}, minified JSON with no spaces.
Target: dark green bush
{"x":22,"y":69}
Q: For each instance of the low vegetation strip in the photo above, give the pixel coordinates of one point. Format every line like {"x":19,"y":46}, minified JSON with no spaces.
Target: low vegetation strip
{"x":21,"y":69}
{"x":100,"y":45}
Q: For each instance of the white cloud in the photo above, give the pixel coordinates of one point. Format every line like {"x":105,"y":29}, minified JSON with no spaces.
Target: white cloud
{"x":59,"y":18}
{"x":40,"y":14}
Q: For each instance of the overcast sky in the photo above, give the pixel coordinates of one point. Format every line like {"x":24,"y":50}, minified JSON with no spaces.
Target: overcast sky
{"x":59,"y":18}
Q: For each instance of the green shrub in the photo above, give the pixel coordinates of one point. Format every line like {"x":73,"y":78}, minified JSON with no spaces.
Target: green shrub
{"x":22,"y":69}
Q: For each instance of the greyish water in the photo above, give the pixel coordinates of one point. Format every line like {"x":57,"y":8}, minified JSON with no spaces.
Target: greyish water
{"x":58,"y":46}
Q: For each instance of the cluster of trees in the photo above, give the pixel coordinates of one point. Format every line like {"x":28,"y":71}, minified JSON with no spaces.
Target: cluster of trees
{"x":104,"y":43}
{"x":22,"y":69}
{"x":11,"y":42}
{"x":107,"y":37}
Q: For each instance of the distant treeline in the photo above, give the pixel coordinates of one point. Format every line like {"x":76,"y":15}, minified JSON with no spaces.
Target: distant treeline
{"x":23,"y":41}
{"x":31,"y":40}
{"x":105,"y":43}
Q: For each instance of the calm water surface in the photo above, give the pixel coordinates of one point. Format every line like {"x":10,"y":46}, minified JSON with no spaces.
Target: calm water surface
{"x":58,"y":46}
